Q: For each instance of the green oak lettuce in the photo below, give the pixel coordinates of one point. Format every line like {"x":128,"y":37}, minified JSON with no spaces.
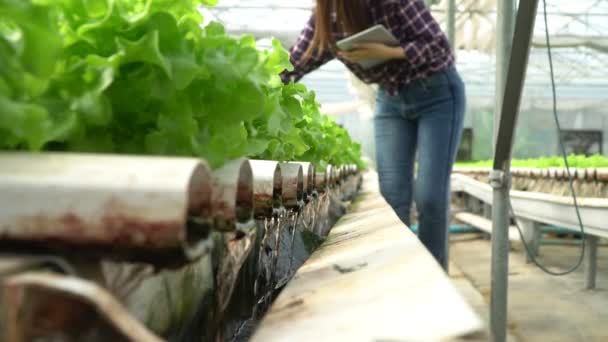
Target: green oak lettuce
{"x":143,"y":76}
{"x":577,"y":161}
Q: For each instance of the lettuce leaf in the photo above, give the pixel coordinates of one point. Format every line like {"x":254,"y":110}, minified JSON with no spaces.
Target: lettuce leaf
{"x":143,"y":77}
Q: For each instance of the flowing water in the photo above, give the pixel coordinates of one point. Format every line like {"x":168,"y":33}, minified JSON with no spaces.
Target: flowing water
{"x":284,"y":242}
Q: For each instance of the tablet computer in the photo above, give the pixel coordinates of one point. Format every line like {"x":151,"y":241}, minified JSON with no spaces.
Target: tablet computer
{"x":374,"y":34}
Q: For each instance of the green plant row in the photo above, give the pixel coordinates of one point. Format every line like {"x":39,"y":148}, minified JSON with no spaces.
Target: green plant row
{"x":575,"y":161}
{"x":144,"y":77}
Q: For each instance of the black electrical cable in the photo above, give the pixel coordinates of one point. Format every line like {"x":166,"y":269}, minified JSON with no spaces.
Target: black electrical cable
{"x":570,"y":180}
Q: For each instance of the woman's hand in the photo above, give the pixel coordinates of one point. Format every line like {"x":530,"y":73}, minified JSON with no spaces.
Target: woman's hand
{"x":365,"y":51}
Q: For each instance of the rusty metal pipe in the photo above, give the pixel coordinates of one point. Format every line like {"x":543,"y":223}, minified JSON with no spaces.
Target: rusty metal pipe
{"x":14,"y":264}
{"x":293,"y":185}
{"x":118,"y":207}
{"x":308,"y":172}
{"x":339,"y":174}
{"x":331,"y":176}
{"x":321,"y":182}
{"x":348,"y":171}
{"x":232,"y":195}
{"x":267,"y":187}
{"x":345,"y":171}
{"x":602,"y":175}
{"x":46,"y":306}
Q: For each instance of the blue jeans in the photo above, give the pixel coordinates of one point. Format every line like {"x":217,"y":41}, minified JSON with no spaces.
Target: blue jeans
{"x":426,"y":116}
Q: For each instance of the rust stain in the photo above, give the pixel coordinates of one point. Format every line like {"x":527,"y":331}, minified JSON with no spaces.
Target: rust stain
{"x":244,"y":194}
{"x":223,"y":202}
{"x":263,"y":197}
{"x":71,"y":220}
{"x":225,"y":208}
{"x":117,"y":226}
{"x":263,"y":204}
{"x":44,"y":307}
{"x":200,"y":204}
{"x":132,"y":230}
{"x":39,"y":313}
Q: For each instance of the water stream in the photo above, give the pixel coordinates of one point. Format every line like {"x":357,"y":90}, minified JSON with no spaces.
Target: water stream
{"x":284,"y":242}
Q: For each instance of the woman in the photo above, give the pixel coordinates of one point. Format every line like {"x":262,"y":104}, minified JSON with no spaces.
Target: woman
{"x":419,"y":107}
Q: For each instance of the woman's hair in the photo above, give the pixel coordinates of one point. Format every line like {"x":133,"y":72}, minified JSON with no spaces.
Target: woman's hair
{"x":352,"y":16}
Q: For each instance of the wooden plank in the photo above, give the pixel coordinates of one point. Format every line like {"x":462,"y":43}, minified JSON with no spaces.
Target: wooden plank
{"x":371,"y":280}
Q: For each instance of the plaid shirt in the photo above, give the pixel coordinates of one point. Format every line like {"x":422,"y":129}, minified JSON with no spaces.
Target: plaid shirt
{"x":427,"y":49}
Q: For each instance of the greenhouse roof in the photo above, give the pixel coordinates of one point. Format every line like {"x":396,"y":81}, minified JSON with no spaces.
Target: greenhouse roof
{"x":579,"y":33}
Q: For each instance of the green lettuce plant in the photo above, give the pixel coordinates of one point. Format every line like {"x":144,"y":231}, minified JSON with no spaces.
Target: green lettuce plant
{"x":575,"y":161}
{"x":144,"y":77}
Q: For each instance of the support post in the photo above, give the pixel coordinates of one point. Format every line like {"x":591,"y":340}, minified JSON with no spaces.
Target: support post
{"x":487,"y":211}
{"x":500,"y":175}
{"x":590,"y":261}
{"x":451,"y":22}
{"x":531,"y":235}
{"x":500,"y":256}
{"x":474,"y":205}
{"x":505,"y":26}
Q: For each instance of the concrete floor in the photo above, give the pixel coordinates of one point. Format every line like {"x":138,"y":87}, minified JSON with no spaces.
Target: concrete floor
{"x":541,"y":307}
